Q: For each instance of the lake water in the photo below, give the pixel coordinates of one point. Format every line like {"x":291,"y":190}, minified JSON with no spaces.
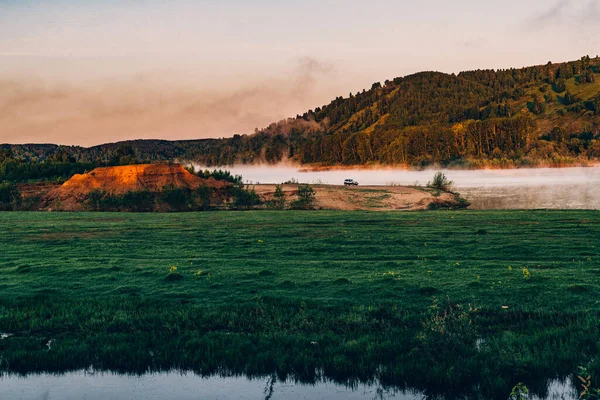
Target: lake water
{"x":551,"y":188}
{"x":85,"y":385}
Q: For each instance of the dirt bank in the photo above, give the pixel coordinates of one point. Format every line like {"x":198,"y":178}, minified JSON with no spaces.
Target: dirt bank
{"x":123,"y":179}
{"x":374,"y":198}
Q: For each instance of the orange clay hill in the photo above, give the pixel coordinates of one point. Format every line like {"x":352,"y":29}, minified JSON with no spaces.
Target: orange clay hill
{"x":123,"y":179}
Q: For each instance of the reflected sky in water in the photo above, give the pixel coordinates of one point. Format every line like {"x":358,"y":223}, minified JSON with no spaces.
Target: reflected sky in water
{"x":182,"y":386}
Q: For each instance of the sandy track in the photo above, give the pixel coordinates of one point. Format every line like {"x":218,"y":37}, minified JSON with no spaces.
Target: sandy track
{"x":375,"y":198}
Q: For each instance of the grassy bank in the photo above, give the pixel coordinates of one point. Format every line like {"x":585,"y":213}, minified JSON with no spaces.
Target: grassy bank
{"x":452,"y":302}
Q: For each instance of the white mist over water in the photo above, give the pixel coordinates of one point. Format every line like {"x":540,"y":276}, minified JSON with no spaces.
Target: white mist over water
{"x":527,"y":188}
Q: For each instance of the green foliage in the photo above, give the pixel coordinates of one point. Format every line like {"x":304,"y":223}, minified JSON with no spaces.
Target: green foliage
{"x":588,"y":392}
{"x":519,"y":392}
{"x":244,"y":197}
{"x":587,"y":76}
{"x":537,"y":106}
{"x":569,"y":98}
{"x":19,"y":171}
{"x":457,"y":203}
{"x":10,"y":196}
{"x":448,"y":330}
{"x":440,"y":182}
{"x":279,"y":199}
{"x":306,"y":295}
{"x":221,"y":175}
{"x":204,"y":195}
{"x":134,"y":201}
{"x":176,"y":198}
{"x":5,"y":154}
{"x":305,"y":198}
{"x":559,"y":86}
{"x":169,"y":199}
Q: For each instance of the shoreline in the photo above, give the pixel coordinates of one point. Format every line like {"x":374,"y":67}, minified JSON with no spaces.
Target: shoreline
{"x":398,"y":167}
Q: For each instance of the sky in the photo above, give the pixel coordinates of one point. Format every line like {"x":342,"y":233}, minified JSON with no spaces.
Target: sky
{"x":87,"y":72}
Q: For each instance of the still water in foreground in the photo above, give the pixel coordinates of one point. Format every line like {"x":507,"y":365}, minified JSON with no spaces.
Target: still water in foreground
{"x":176,"y":385}
{"x":527,"y":188}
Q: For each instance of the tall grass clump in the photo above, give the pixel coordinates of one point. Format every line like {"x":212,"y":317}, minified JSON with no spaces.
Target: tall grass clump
{"x":588,"y":392}
{"x":519,"y":392}
{"x":448,"y":331}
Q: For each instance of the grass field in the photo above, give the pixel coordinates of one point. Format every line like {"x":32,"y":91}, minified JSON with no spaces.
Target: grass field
{"x":450,"y":302}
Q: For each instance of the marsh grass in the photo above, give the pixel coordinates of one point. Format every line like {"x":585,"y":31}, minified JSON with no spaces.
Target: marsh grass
{"x":96,"y":287}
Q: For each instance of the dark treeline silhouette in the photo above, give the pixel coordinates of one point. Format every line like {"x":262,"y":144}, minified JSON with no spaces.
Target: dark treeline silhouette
{"x":476,"y":118}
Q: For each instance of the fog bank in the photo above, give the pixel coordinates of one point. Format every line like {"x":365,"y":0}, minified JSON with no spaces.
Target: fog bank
{"x":527,"y":188}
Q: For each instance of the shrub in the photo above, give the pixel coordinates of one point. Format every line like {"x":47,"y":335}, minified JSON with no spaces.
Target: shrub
{"x":440,"y":182}
{"x":95,"y":199}
{"x":244,"y":197}
{"x":204,"y":196}
{"x":461,"y":202}
{"x":221,"y":175}
{"x":279,"y":199}
{"x":171,"y":198}
{"x":10,"y":196}
{"x":137,"y":201}
{"x":176,"y":198}
{"x":559,"y":86}
{"x":305,"y":199}
{"x":519,"y":392}
{"x":455,"y":204}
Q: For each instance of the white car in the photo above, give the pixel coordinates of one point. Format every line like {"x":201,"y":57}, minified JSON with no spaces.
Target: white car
{"x":350,"y":182}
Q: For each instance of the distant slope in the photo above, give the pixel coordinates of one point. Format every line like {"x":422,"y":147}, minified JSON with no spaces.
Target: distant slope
{"x":546,"y":114}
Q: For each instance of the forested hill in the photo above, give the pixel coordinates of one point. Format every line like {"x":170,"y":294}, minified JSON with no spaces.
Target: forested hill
{"x":547,"y":114}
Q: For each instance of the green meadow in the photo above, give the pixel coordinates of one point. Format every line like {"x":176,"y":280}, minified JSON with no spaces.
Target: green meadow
{"x":458,"y":303}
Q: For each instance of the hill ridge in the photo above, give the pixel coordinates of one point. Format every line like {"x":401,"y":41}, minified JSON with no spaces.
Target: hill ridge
{"x":544,"y":114}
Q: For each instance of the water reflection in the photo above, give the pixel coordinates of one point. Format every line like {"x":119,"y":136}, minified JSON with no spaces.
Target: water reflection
{"x":177,"y":385}
{"x":552,"y":188}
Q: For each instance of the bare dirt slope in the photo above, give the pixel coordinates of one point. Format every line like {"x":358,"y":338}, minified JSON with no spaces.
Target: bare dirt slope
{"x":37,"y":189}
{"x":375,"y":198}
{"x":123,"y":179}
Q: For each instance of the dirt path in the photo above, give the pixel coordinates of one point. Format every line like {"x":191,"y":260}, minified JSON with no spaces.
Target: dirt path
{"x":375,"y":198}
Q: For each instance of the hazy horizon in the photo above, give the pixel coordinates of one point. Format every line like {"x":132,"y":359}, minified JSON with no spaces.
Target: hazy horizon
{"x":92,"y":72}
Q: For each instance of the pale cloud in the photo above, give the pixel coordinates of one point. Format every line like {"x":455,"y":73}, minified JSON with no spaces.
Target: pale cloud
{"x":552,"y":14}
{"x":566,"y":13}
{"x":106,"y":111}
{"x":86,"y":72}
